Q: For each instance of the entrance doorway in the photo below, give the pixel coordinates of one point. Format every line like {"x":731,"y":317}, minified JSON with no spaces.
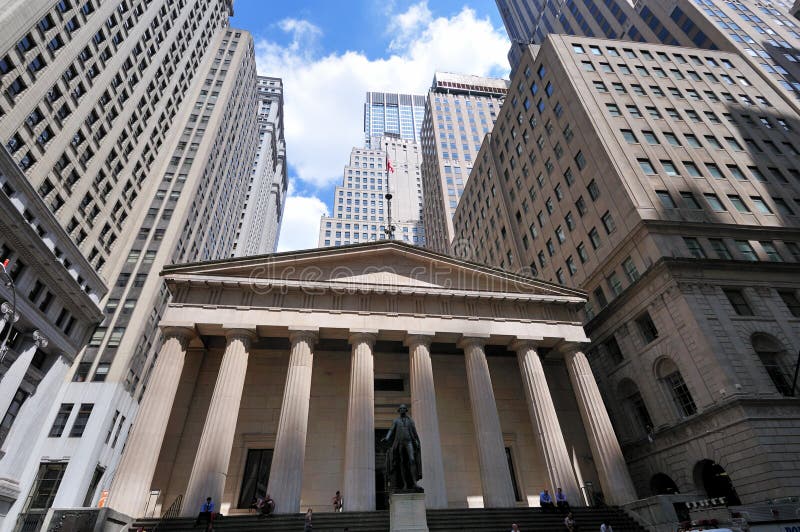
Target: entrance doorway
{"x":256,"y":476}
{"x":711,"y":477}
{"x":381,"y":493}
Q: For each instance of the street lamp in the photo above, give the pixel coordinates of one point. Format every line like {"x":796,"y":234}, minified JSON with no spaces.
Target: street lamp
{"x":8,"y":313}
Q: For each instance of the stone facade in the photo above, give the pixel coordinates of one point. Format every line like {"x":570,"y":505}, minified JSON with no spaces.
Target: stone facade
{"x":296,"y":350}
{"x":633,"y":172}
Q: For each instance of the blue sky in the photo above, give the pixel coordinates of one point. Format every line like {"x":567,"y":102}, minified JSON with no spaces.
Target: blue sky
{"x":329,"y":53}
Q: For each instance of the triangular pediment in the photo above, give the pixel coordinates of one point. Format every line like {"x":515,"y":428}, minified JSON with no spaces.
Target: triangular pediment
{"x":375,"y":266}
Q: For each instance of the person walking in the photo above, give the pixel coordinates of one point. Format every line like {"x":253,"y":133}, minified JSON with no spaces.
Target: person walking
{"x":308,"y":526}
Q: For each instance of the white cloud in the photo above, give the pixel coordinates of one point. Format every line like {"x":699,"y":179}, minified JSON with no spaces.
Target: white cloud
{"x":300,"y":228}
{"x":324,"y":94}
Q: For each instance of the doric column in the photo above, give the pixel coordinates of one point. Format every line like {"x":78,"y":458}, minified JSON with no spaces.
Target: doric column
{"x":210,"y":467}
{"x":132,"y":480}
{"x":545,"y":421}
{"x":26,"y":435}
{"x":423,"y":411}
{"x":13,"y":378}
{"x":495,"y":477}
{"x":286,"y":474}
{"x":359,"y":458}
{"x":611,"y":468}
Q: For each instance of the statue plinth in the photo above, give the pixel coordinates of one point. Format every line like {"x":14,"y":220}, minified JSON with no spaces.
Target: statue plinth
{"x":407,"y":512}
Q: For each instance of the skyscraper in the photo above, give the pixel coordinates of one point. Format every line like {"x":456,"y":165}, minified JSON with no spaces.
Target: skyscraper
{"x":260,"y":223}
{"x":393,"y":113}
{"x":763,"y":33}
{"x":360,"y":210}
{"x":136,"y":123}
{"x":459,"y":110}
{"x":640,"y":174}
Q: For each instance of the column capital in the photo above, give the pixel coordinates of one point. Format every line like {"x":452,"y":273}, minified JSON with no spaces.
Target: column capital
{"x":310,"y":335}
{"x":183,"y":334}
{"x":414,"y":339}
{"x":246,"y":335}
{"x":568,"y":348}
{"x":521,"y":343}
{"x":473,"y":339}
{"x":367,"y":336}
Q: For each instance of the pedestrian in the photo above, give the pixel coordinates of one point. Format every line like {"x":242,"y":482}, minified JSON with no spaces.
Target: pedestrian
{"x":569,"y":523}
{"x":546,"y":502}
{"x":515,"y":528}
{"x":206,"y":514}
{"x":337,"y":502}
{"x":561,"y":500}
{"x":308,"y":527}
{"x":606,"y":528}
{"x":266,"y":507}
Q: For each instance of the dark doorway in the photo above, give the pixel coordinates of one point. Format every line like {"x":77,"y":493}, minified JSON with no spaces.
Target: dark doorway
{"x":510,"y":460}
{"x":381,"y":491}
{"x":661,"y":484}
{"x":715,"y":480}
{"x":256,"y":476}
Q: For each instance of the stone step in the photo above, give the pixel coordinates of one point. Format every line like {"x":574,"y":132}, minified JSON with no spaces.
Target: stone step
{"x":469,"y":520}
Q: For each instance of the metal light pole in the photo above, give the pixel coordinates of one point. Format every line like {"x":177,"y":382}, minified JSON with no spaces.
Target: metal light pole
{"x":8,"y":313}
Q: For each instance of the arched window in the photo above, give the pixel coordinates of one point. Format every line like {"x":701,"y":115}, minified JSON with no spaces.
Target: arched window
{"x":672,"y":380}
{"x":635,"y":407}
{"x":661,"y":484}
{"x":711,"y":477}
{"x":772,"y":353}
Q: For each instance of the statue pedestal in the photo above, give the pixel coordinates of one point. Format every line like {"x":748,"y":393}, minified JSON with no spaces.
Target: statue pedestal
{"x":407,"y":512}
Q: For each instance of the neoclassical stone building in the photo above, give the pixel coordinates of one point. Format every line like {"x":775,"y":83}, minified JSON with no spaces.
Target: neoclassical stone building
{"x":279,"y":374}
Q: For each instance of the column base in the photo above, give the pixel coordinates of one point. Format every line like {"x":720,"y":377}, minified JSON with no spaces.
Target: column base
{"x":407,"y":512}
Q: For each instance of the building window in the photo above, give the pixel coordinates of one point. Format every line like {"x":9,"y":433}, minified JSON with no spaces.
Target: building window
{"x":719,"y":247}
{"x":646,"y":166}
{"x":101,"y":372}
{"x":746,"y":250}
{"x":738,"y":301}
{"x":647,"y":328}
{"x":673,"y":381}
{"x":61,"y":420}
{"x":791,"y":301}
{"x":714,"y":202}
{"x":615,"y":284}
{"x":666,"y":199}
{"x":608,"y":223}
{"x":594,"y":237}
{"x":695,"y":249}
{"x":11,"y":414}
{"x":771,"y":251}
{"x":630,"y":270}
{"x":635,"y":407}
{"x":771,"y":354}
{"x":600,"y":297}
{"x":45,"y":487}
{"x":81,"y":420}
{"x":612,"y":349}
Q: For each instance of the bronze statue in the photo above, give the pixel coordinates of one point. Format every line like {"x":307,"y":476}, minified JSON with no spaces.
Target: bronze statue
{"x":404,"y":460}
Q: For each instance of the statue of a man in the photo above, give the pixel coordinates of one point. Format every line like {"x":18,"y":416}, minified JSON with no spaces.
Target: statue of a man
{"x":403,"y":460}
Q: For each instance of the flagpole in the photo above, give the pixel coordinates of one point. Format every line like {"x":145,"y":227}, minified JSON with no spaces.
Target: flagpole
{"x":389,"y":227}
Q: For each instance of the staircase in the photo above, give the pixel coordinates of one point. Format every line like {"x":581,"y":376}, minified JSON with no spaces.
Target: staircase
{"x":469,"y":520}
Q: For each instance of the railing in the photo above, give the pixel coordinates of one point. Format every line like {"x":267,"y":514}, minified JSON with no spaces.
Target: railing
{"x":171,"y":512}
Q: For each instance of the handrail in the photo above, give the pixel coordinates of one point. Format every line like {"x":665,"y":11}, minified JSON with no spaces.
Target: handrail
{"x":171,"y":512}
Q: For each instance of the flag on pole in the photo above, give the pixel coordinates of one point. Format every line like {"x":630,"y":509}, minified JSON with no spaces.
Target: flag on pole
{"x":389,"y":166}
